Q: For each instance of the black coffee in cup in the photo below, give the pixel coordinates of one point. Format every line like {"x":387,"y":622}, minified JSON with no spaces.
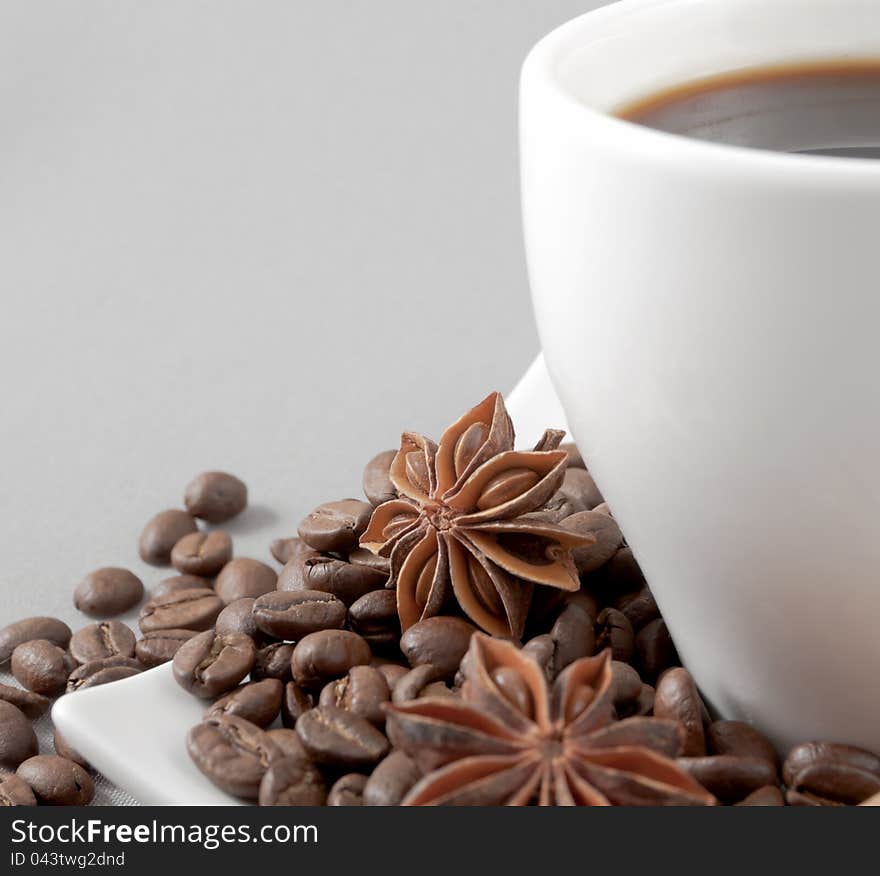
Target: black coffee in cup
{"x":829,"y":108}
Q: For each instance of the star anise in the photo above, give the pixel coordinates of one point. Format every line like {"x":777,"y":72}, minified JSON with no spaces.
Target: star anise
{"x":461,"y":522}
{"x":512,"y":739}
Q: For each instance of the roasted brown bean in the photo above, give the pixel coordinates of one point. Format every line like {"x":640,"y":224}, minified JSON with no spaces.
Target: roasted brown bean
{"x":17,"y":738}
{"x":363,"y":692}
{"x":183,"y":610}
{"x":376,"y":481}
{"x":105,"y":639}
{"x":108,"y":592}
{"x":292,"y":781}
{"x":340,"y":739}
{"x":244,"y":577}
{"x":215,"y":496}
{"x":258,"y":702}
{"x":57,"y":781}
{"x":294,"y":614}
{"x":273,"y":661}
{"x":348,"y":791}
{"x":729,"y":778}
{"x":42,"y":667}
{"x":346,"y":581}
{"x":160,"y":646}
{"x":440,"y":641}
{"x":233,"y":753}
{"x":161,"y":533}
{"x":26,"y":630}
{"x":208,"y":664}
{"x":202,"y":553}
{"x":328,"y":654}
{"x":605,"y":532}
{"x":677,"y":698}
{"x":32,"y":705}
{"x":391,"y":780}
{"x":336,"y":526}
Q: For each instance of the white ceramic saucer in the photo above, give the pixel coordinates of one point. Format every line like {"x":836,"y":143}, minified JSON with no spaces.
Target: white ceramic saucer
{"x":134,"y":730}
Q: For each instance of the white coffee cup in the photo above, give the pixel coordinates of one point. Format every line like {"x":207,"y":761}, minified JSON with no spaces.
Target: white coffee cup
{"x":709,"y":316}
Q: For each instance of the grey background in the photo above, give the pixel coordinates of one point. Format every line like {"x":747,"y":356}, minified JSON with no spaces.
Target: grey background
{"x":257,"y":236}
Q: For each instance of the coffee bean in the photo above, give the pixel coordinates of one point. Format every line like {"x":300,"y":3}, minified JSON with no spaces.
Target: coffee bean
{"x":108,"y":592}
{"x":57,"y":781}
{"x":542,"y":649}
{"x":645,"y":703}
{"x":728,"y":777}
{"x":573,"y":636}
{"x":392,"y":779}
{"x":292,"y":781}
{"x":294,"y":704}
{"x":833,"y":784}
{"x":161,"y":533}
{"x":614,"y":631}
{"x":63,"y":749}
{"x":100,"y":640}
{"x":413,"y":684}
{"x":215,"y":496}
{"x":348,"y":791}
{"x":176,"y":583}
{"x":15,"y":791}
{"x":288,"y":741}
{"x":328,"y":654}
{"x":393,"y":672}
{"x":739,"y":738}
{"x":184,"y":610}
{"x":363,"y":692}
{"x":233,"y":753}
{"x":640,"y":607}
{"x":243,"y":577}
{"x":575,"y":460}
{"x":238,"y":617}
{"x":655,"y":649}
{"x":810,"y":753}
{"x":294,"y":614}
{"x":586,"y":600}
{"x":336,"y":526}
{"x":626,"y":687}
{"x":208,"y":665}
{"x":829,"y":774}
{"x":602,"y":528}
{"x":677,"y":698}
{"x":33,"y":705}
{"x":579,"y":488}
{"x":377,"y":481}
{"x":340,"y":739}
{"x":258,"y":702}
{"x":17,"y":738}
{"x":363,"y":557}
{"x":104,"y":671}
{"x":346,"y":581}
{"x":160,"y":646}
{"x":273,"y":661}
{"x":769,"y":795}
{"x":440,"y":641}
{"x":374,"y":616}
{"x":202,"y":553}
{"x":286,"y":549}
{"x":49,"y":628}
{"x":621,"y":574}
{"x":42,"y":667}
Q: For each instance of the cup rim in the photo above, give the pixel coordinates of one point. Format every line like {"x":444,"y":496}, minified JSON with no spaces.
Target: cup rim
{"x":542,"y":65}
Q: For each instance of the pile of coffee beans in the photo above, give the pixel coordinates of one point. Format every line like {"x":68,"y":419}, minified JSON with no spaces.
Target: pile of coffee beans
{"x":297,"y":665}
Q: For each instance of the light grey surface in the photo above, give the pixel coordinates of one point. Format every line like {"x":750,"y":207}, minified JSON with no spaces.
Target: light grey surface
{"x":263,"y":237}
